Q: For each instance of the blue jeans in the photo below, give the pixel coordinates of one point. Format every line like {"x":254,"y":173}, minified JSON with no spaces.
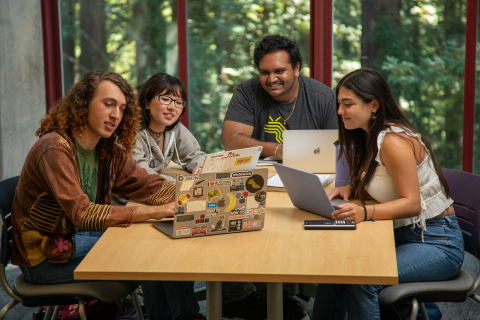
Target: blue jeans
{"x":164,"y":300}
{"x":438,"y":258}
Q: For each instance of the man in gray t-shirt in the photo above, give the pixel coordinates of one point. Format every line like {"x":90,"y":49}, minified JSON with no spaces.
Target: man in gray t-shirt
{"x":278,"y":99}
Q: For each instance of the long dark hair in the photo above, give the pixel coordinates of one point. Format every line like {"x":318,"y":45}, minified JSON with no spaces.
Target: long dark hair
{"x":359,"y":147}
{"x":160,"y":83}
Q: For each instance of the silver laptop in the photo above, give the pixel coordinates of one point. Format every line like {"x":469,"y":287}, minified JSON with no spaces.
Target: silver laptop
{"x":310,"y":150}
{"x":241,"y":159}
{"x":306,"y":191}
{"x":208,"y":204}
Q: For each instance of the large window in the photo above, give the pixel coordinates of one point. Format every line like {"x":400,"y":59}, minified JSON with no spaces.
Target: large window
{"x":221,"y":38}
{"x":139,"y":38}
{"x":419,"y":46}
{"x":133,"y":38}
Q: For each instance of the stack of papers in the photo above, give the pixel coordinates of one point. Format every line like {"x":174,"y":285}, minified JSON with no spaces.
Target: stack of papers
{"x":275,"y":181}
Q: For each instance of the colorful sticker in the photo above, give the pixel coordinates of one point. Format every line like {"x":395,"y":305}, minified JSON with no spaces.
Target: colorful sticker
{"x":199,"y":230}
{"x":231,"y":155}
{"x":239,"y":174}
{"x":185,"y":218}
{"x":219,"y":225}
{"x":260,"y":196}
{"x":237,"y":211}
{"x":186,"y":185}
{"x":255,"y":211}
{"x":251,"y":203}
{"x":212,"y":205}
{"x":198,"y":192}
{"x":183,"y":198}
{"x":222,"y":175}
{"x":232,"y":202}
{"x":252,"y":224}
{"x":221,"y":203}
{"x":213,"y":194}
{"x":184,"y":231}
{"x":255,"y":183}
{"x":212,"y":212}
{"x":221,"y":183}
{"x":237,"y":185}
{"x":235,"y":225}
{"x":243,"y":160}
{"x":187,"y":178}
{"x":201,"y":181}
{"x":180,"y":210}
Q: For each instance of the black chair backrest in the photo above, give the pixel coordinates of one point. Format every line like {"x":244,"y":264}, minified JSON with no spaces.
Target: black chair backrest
{"x":7,"y":192}
{"x":465,"y":191}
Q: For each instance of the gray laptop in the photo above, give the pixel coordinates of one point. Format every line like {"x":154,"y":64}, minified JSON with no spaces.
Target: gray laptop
{"x":208,"y":204}
{"x":310,"y":150}
{"x":306,"y":191}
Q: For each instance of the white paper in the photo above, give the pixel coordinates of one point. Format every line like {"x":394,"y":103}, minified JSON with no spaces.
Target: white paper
{"x":275,"y":181}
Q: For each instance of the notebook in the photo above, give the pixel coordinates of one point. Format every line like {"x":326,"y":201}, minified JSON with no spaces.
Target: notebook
{"x":306,"y":191}
{"x":241,"y":159}
{"x":208,"y":204}
{"x":310,"y":150}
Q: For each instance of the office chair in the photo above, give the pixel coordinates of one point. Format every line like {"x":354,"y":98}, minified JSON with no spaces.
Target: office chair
{"x":33,"y":295}
{"x":464,"y":188}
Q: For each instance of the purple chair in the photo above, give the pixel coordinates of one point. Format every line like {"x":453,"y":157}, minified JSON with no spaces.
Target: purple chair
{"x":341,"y":170}
{"x":464,"y":190}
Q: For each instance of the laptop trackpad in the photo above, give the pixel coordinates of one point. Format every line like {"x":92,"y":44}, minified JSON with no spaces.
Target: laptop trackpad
{"x":336,"y":202}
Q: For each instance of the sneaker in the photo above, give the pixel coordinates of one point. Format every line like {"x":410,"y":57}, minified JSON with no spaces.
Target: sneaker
{"x":193,"y":316}
{"x":293,"y":309}
{"x":253,"y":307}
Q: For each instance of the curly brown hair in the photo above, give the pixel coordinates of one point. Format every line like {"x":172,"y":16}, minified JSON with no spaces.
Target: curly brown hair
{"x":69,"y":114}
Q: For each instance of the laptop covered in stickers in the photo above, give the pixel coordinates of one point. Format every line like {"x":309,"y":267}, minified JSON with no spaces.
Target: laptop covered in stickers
{"x":215,"y":203}
{"x":241,"y":159}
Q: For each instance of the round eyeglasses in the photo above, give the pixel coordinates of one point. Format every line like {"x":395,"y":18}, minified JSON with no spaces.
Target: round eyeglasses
{"x":166,"y":100}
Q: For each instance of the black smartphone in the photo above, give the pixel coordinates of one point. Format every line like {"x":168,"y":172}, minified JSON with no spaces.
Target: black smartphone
{"x":329,"y":225}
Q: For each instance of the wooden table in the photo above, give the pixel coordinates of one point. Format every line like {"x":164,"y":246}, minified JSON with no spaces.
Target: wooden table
{"x":282,"y":252}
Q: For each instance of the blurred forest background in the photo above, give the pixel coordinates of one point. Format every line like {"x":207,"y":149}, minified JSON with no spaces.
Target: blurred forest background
{"x":419,"y":46}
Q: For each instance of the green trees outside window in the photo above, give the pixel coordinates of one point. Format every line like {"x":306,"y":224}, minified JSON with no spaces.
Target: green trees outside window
{"x":419,"y":46}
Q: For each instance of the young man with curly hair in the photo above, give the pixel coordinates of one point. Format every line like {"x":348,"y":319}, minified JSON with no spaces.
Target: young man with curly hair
{"x":62,"y":202}
{"x":278,"y":99}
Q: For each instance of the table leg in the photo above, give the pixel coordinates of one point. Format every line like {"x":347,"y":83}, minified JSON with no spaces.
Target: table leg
{"x":274,"y":301}
{"x":214,"y":300}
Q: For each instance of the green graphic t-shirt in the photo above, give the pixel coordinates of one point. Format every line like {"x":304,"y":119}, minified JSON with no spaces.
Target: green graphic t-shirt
{"x":88,"y":166}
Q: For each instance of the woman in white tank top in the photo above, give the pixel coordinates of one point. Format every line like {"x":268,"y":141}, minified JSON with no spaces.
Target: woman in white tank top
{"x":394,"y":164}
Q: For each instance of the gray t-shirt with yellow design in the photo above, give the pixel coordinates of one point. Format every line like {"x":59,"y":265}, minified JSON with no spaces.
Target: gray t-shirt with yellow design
{"x":252,"y":105}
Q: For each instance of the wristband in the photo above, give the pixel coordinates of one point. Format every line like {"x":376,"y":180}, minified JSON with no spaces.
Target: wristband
{"x":365,"y":209}
{"x":373,"y":213}
{"x":348,"y":184}
{"x":277,"y":149}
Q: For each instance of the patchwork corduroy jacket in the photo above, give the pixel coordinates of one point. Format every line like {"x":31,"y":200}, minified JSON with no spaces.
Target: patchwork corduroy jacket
{"x":50,"y":206}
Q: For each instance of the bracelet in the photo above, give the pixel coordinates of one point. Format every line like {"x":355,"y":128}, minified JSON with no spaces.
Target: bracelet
{"x":373,"y":213}
{"x":348,"y":184}
{"x":365,"y":209}
{"x":277,"y":149}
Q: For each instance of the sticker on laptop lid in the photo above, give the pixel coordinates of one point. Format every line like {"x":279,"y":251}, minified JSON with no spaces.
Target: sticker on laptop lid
{"x":252,"y":224}
{"x":232,"y":202}
{"x":235,"y":225}
{"x":219,"y":225}
{"x":242,"y":173}
{"x":255,"y":183}
{"x":184,"y":231}
{"x":243,"y":160}
{"x":183,"y":198}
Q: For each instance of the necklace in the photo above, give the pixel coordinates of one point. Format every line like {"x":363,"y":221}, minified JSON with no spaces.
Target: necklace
{"x":275,"y":104}
{"x":158,"y":135}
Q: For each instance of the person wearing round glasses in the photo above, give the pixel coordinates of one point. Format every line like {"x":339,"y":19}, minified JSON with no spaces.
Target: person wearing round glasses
{"x":163,"y":138}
